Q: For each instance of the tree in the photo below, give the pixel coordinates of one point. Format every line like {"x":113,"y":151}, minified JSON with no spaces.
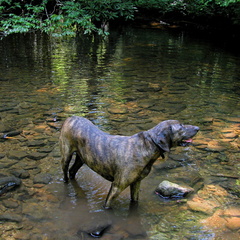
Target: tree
{"x":62,"y":17}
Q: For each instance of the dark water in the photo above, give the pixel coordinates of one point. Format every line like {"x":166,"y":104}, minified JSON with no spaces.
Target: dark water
{"x":125,"y":84}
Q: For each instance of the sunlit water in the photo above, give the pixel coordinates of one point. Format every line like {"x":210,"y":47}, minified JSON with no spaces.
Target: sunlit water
{"x":125,"y":84}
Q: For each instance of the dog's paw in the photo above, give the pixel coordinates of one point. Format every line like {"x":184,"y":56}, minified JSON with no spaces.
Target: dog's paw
{"x":65,"y":180}
{"x":106,"y":207}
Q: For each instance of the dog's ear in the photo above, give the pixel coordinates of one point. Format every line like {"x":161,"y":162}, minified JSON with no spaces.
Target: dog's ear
{"x":163,"y":143}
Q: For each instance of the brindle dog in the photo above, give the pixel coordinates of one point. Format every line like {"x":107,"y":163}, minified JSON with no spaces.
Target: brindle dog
{"x":123,"y":160}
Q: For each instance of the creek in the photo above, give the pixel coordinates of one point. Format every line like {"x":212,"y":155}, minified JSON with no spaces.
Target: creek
{"x":124,"y":84}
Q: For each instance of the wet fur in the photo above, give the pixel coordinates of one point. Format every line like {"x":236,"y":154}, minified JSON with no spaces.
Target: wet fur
{"x":123,"y":160}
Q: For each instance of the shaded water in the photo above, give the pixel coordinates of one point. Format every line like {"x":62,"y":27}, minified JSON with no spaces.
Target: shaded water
{"x":125,"y":84}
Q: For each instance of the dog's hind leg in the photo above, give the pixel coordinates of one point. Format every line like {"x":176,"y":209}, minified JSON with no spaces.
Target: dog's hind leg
{"x":74,"y":168}
{"x":134,"y":190}
{"x":66,"y":158}
{"x":65,"y":166}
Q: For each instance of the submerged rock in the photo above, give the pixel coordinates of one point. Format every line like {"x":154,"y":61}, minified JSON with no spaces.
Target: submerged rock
{"x":43,"y":178}
{"x":20,"y":173}
{"x":168,"y":189}
{"x":10,"y":217}
{"x":37,"y":155}
{"x":95,"y":225}
{"x":117,"y":110}
{"x":201,"y":206}
{"x":18,"y":155}
{"x":10,"y":134}
{"x":35,"y":211}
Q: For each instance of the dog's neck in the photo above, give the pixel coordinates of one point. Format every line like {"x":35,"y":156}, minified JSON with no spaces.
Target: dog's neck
{"x":161,"y":151}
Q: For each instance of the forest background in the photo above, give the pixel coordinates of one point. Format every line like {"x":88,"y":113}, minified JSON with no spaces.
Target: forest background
{"x":63,"y":17}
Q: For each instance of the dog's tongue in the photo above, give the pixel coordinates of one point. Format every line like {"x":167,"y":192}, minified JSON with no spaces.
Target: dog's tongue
{"x":188,"y":140}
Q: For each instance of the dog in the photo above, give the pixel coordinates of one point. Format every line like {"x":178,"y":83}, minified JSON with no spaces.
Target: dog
{"x":123,"y":160}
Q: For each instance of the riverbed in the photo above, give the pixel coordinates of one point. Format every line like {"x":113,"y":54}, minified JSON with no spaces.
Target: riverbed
{"x":124,"y":84}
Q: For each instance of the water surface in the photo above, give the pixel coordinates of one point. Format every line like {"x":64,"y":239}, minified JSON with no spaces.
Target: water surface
{"x":125,"y":84}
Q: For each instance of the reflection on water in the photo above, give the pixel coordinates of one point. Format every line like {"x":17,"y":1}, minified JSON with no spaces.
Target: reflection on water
{"x":125,"y":84}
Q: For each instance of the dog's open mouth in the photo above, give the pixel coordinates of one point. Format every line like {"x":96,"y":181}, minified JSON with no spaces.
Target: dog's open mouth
{"x":185,"y":142}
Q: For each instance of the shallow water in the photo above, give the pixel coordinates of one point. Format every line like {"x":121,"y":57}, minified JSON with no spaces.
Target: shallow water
{"x":125,"y":84}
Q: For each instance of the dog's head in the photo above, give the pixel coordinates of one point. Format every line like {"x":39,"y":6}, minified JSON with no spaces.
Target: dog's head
{"x":172,"y":133}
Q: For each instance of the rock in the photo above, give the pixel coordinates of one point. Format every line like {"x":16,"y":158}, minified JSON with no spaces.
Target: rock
{"x":215,"y":221}
{"x":45,"y":150}
{"x":232,"y":216}
{"x":4,"y":129}
{"x":233,"y":119}
{"x":167,"y":165}
{"x":8,"y":183}
{"x":6,"y":163}
{"x":230,"y":135}
{"x":97,"y":231}
{"x":55,"y":125}
{"x":22,"y":235}
{"x":95,"y":226}
{"x":36,"y":143}
{"x":10,"y":134}
{"x":10,"y":203}
{"x":23,"y":174}
{"x":146,"y":103}
{"x":5,"y":109}
{"x":43,"y":178}
{"x":37,"y":155}
{"x":10,"y":217}
{"x":203,"y":207}
{"x":35,"y":211}
{"x":18,"y":155}
{"x":221,"y":219}
{"x":168,"y":189}
{"x":117,"y":110}
{"x":214,"y":146}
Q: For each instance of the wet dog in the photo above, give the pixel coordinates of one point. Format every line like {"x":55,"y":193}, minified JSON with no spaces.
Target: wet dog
{"x":123,"y":160}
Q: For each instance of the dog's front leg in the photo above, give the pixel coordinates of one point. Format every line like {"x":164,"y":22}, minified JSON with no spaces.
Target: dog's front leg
{"x":134,"y":189}
{"x":114,"y":191}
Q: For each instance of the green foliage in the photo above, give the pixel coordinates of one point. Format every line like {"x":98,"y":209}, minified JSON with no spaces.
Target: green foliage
{"x":64,"y":17}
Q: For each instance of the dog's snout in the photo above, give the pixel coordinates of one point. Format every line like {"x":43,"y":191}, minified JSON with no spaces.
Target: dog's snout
{"x":197,"y":128}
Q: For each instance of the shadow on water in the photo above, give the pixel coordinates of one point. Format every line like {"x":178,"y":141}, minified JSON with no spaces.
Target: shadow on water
{"x":76,"y":217}
{"x":125,"y":84}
